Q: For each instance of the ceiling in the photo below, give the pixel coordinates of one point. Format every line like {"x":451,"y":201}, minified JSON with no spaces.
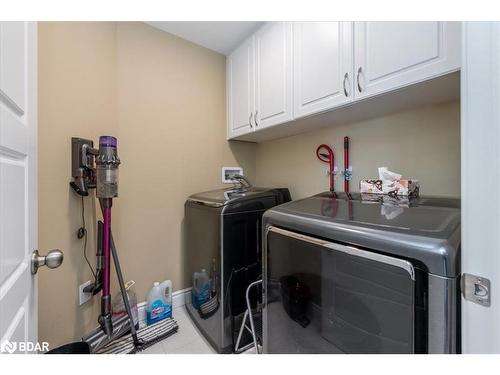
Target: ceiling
{"x":222,"y":37}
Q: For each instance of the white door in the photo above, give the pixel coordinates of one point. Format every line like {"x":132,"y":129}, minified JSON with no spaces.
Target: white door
{"x":480,"y":134}
{"x":322,"y":65}
{"x":390,"y":55}
{"x":240,"y":78}
{"x":18,"y":174}
{"x":273,"y":74}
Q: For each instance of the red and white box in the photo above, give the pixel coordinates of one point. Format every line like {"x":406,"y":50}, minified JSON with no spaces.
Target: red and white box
{"x":390,"y":183}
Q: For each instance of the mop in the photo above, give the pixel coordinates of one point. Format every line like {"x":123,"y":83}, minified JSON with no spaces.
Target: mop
{"x":133,"y":340}
{"x":149,"y":335}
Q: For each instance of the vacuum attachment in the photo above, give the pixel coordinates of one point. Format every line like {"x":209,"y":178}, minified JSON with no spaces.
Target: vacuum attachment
{"x":325,"y":154}
{"x":96,"y":286}
{"x":82,"y":165}
{"x":95,"y":168}
{"x":105,"y":319}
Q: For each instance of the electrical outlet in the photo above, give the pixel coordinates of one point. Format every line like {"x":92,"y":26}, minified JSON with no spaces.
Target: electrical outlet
{"x":84,"y":297}
{"x":228,"y":172}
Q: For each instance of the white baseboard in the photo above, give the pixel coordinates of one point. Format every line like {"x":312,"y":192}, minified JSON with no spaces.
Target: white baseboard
{"x":179,"y":298}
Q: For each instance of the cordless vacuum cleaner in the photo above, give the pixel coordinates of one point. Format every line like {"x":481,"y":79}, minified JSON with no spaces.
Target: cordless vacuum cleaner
{"x":98,"y":168}
{"x":106,"y":189}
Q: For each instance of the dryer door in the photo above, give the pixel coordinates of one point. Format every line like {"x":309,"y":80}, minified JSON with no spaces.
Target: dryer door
{"x":325,"y":297}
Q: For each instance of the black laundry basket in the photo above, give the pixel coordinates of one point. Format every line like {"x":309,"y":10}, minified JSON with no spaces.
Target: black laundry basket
{"x":78,"y":347}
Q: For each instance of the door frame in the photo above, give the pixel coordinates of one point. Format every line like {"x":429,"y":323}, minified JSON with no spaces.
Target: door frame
{"x":32,"y":95}
{"x":480,"y":178}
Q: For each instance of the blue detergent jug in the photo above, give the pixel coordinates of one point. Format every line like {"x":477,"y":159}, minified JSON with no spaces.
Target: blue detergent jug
{"x":201,"y":289}
{"x":157,"y":305}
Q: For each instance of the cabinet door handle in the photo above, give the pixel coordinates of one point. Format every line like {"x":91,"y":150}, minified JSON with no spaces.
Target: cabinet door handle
{"x":360,"y":70}
{"x":256,"y":123}
{"x":250,"y":120}
{"x":346,"y":76}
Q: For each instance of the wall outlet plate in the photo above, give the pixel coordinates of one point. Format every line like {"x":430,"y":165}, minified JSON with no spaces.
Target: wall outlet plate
{"x":227,"y":172}
{"x":84,"y":297}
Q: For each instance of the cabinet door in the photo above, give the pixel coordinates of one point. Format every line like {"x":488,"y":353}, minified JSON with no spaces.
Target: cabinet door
{"x":390,"y":55}
{"x":240,"y":89}
{"x":273,"y":74}
{"x":322,"y":57}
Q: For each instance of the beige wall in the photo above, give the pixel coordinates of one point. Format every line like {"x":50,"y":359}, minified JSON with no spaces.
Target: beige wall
{"x":76,"y":97}
{"x":423,"y":143}
{"x":171,"y":127}
{"x":164,"y":99}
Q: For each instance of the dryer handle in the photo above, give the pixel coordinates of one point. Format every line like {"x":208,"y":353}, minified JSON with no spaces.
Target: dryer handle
{"x":350,"y":250}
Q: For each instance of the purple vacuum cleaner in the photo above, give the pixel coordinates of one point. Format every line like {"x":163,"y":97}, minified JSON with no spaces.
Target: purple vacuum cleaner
{"x":107,"y":162}
{"x":98,"y":168}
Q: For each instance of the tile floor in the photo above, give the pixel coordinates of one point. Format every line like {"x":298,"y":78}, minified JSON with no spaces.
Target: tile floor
{"x":187,"y":340}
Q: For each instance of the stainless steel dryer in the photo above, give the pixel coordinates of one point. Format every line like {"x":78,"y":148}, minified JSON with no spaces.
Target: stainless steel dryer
{"x":362,"y":276}
{"x":222,"y":235}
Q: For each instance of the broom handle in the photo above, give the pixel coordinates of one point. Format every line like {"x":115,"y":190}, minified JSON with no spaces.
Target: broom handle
{"x":119,"y":274}
{"x":118,"y":269}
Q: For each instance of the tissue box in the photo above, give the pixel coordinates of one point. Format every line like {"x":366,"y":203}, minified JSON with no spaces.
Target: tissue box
{"x":398,"y":187}
{"x":371,"y":187}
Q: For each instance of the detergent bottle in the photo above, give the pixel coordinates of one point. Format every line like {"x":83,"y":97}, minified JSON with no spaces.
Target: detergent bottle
{"x":201,"y":288}
{"x":157,"y":307}
{"x":166,"y":289}
{"x":119,"y":306}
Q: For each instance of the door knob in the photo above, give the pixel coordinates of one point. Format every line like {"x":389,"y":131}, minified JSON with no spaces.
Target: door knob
{"x":52,"y":260}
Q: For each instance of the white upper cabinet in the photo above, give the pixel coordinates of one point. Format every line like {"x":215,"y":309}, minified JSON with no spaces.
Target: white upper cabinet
{"x":273,"y":74}
{"x":288,"y":71}
{"x":323,"y":66}
{"x":390,"y":55}
{"x":240,"y":89}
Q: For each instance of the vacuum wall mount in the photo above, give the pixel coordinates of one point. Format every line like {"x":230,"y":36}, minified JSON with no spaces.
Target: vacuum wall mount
{"x":83,"y":156}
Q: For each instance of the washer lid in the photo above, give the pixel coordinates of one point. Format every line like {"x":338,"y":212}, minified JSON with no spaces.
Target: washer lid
{"x":426,"y":233}
{"x":222,"y":197}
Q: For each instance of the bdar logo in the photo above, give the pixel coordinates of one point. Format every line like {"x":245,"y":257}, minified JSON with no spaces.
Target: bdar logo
{"x":8,"y":347}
